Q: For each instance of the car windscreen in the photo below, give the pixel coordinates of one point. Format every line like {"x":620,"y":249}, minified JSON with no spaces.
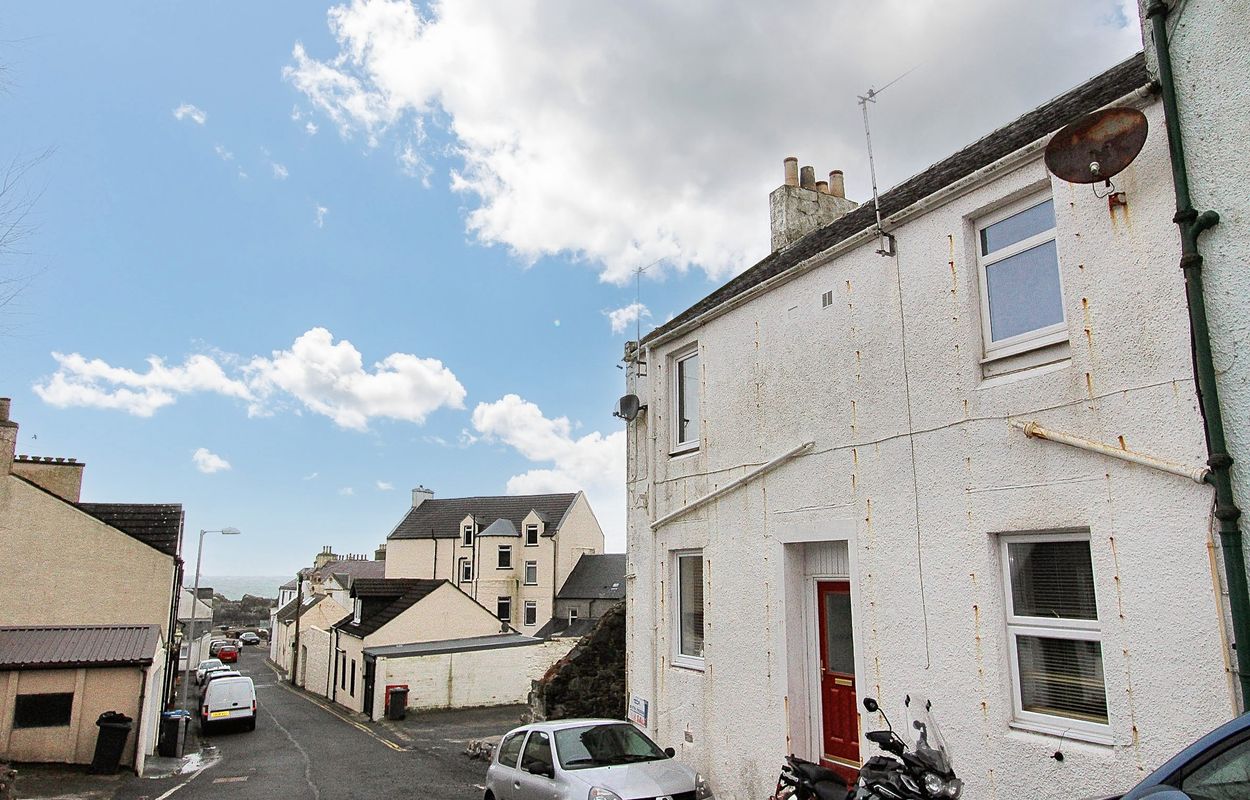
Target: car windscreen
{"x":604,"y":745}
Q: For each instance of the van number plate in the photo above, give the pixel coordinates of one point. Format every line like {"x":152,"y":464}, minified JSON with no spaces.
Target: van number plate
{"x":218,"y":714}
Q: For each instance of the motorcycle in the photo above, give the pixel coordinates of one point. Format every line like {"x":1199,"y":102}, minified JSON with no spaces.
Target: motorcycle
{"x":919,"y":769}
{"x":803,"y":780}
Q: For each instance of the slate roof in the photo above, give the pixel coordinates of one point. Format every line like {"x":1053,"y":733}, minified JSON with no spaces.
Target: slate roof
{"x":1095,"y":93}
{"x":595,"y":577}
{"x":440,"y":519}
{"x":561,"y":627}
{"x":501,"y":527}
{"x":287,"y":612}
{"x":467,"y":644}
{"x":156,"y":524}
{"x":382,"y":600}
{"x":291,"y":584}
{"x":349,"y":570}
{"x":72,"y":646}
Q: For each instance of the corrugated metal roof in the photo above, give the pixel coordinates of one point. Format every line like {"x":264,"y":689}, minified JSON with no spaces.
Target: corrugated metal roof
{"x":465,"y":645}
{"x":65,"y":646}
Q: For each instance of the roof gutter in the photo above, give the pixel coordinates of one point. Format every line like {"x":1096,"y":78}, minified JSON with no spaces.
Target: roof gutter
{"x":1191,"y":225}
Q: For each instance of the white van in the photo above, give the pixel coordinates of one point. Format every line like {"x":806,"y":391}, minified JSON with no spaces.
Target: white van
{"x":227,"y":700}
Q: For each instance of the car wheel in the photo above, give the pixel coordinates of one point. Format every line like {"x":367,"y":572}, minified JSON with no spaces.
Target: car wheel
{"x":251,"y":724}
{"x":489,"y":795}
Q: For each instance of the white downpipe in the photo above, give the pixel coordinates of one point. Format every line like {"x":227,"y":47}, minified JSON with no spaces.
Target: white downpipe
{"x":1034,"y":431}
{"x":734,"y":484}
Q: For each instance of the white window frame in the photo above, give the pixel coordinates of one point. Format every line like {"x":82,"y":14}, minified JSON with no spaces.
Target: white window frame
{"x":531,"y":528}
{"x":572,"y":615}
{"x":1051,"y":628}
{"x":526,"y":576}
{"x":466,"y":535}
{"x":504,"y":549}
{"x":466,"y":570}
{"x":356,"y":611}
{"x":679,"y":447}
{"x":1032,"y":340}
{"x":680,"y":659}
{"x":500,"y":602}
{"x":530,"y":612}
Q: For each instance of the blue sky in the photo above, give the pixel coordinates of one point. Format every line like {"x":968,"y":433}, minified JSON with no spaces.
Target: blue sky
{"x":458,"y":191}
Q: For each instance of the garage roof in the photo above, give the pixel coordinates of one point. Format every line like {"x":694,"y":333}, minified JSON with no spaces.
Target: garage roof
{"x":71,"y":646}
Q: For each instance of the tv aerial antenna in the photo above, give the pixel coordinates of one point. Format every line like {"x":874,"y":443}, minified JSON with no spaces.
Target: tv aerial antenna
{"x":638,"y":313}
{"x":885,"y":241}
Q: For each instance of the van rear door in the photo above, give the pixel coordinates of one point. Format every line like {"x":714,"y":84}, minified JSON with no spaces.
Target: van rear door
{"x":230,"y":698}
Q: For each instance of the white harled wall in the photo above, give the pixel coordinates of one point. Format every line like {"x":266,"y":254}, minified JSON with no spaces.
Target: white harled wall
{"x":781,"y":370}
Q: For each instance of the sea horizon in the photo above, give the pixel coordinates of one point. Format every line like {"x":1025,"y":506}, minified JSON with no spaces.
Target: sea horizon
{"x":233,"y":587}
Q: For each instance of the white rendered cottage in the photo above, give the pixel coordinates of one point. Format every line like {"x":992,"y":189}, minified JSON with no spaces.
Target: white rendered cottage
{"x":831,"y":497}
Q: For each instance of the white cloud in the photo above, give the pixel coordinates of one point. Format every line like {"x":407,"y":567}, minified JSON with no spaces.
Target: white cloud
{"x":310,"y":128}
{"x":347,"y":491}
{"x":223,"y":153}
{"x":311,"y":476}
{"x":321,"y":212}
{"x":316,"y":373}
{"x":188,"y":111}
{"x":622,"y":318}
{"x":593,"y":463}
{"x":279,"y":170}
{"x":626,"y":133}
{"x":209,"y":462}
{"x":556,"y":322}
{"x":385,"y":486}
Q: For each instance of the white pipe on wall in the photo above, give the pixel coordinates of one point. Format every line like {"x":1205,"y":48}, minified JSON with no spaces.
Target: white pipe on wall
{"x":1034,"y":431}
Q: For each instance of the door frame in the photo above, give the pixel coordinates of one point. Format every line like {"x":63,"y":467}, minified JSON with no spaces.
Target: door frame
{"x":811,"y":614}
{"x":368,"y":680}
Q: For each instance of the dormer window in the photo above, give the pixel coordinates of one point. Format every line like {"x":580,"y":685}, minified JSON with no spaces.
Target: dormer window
{"x":466,"y":535}
{"x":531,"y":535}
{"x":356,"y":612}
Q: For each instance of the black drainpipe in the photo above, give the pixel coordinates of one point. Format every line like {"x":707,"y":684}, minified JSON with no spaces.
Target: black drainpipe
{"x":1192,"y":224}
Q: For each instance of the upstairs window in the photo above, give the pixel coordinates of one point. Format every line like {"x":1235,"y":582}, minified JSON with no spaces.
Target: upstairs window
{"x":531,"y":612}
{"x":503,"y":608}
{"x":356,"y":611}
{"x":531,"y":535}
{"x":688,"y":608}
{"x":572,"y":615}
{"x":466,"y":536}
{"x":1021,"y":293}
{"x":466,"y":570}
{"x":1053,"y":632}
{"x":505,"y":556}
{"x":685,"y":400}
{"x":531,"y":573}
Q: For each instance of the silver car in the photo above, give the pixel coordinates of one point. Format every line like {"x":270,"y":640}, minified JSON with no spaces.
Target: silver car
{"x":588,"y":759}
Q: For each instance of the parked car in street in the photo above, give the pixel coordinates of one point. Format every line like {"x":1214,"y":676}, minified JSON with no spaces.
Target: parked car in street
{"x":228,"y":653}
{"x":1216,"y":767}
{"x":247,"y":637}
{"x":579,"y":759}
{"x":205,"y":666}
{"x":215,"y":645}
{"x":228,"y":700}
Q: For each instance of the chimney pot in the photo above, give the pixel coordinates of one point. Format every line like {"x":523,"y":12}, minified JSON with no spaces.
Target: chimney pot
{"x":792,"y":171}
{"x":807,"y":178}
{"x":822,"y":187}
{"x":837,"y":184}
{"x":5,"y":402}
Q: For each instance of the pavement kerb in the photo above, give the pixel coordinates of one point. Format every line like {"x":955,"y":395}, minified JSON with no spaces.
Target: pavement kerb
{"x":360,"y":722}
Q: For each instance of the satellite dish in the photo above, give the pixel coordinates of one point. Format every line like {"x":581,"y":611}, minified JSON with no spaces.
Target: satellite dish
{"x":1097,"y":146}
{"x":628,"y":407}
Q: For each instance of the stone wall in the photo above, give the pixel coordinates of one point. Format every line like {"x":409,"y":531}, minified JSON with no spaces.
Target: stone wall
{"x":590,"y":680}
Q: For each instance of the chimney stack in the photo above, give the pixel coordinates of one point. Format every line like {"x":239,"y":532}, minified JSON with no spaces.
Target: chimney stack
{"x":802,"y":204}
{"x":380,"y":553}
{"x":8,"y":437}
{"x":420,"y":495}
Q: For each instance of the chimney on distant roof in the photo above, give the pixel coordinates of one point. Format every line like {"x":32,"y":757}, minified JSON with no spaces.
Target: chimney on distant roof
{"x":420,"y":495}
{"x":8,"y":437}
{"x":796,"y":208}
{"x":380,"y":553}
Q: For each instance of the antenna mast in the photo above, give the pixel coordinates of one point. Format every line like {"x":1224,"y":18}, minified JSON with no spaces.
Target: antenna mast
{"x":885,"y":242}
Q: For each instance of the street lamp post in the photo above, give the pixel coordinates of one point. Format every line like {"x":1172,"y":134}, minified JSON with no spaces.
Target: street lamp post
{"x":195,"y":600}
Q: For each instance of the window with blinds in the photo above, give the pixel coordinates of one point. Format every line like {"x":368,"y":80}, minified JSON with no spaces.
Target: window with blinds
{"x":689,"y":608}
{"x":1053,"y":631}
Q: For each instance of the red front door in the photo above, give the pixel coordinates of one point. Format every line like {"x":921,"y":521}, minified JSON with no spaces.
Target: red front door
{"x":839,"y":710}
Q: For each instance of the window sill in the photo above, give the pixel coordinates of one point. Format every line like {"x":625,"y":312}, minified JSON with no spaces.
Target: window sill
{"x":1024,"y":347}
{"x":688,"y":663}
{"x":1060,"y":731}
{"x":683,"y":449}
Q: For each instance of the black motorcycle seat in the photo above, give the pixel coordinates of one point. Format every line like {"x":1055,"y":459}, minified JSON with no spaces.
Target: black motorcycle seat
{"x":815,"y":773}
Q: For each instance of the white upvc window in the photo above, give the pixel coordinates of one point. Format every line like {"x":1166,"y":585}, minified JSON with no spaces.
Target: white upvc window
{"x":1054,"y":635}
{"x":356,"y":611}
{"x":684,"y":397}
{"x":531,"y":573}
{"x":466,"y":535}
{"x":503,"y":608}
{"x":1021,"y":290}
{"x":572,"y":615}
{"x":687,"y":605}
{"x":531,"y":535}
{"x":505,"y":556}
{"x":466,"y":570}
{"x":531,"y":612}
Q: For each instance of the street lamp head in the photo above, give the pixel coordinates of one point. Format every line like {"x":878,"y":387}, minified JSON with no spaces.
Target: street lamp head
{"x":231,"y":531}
